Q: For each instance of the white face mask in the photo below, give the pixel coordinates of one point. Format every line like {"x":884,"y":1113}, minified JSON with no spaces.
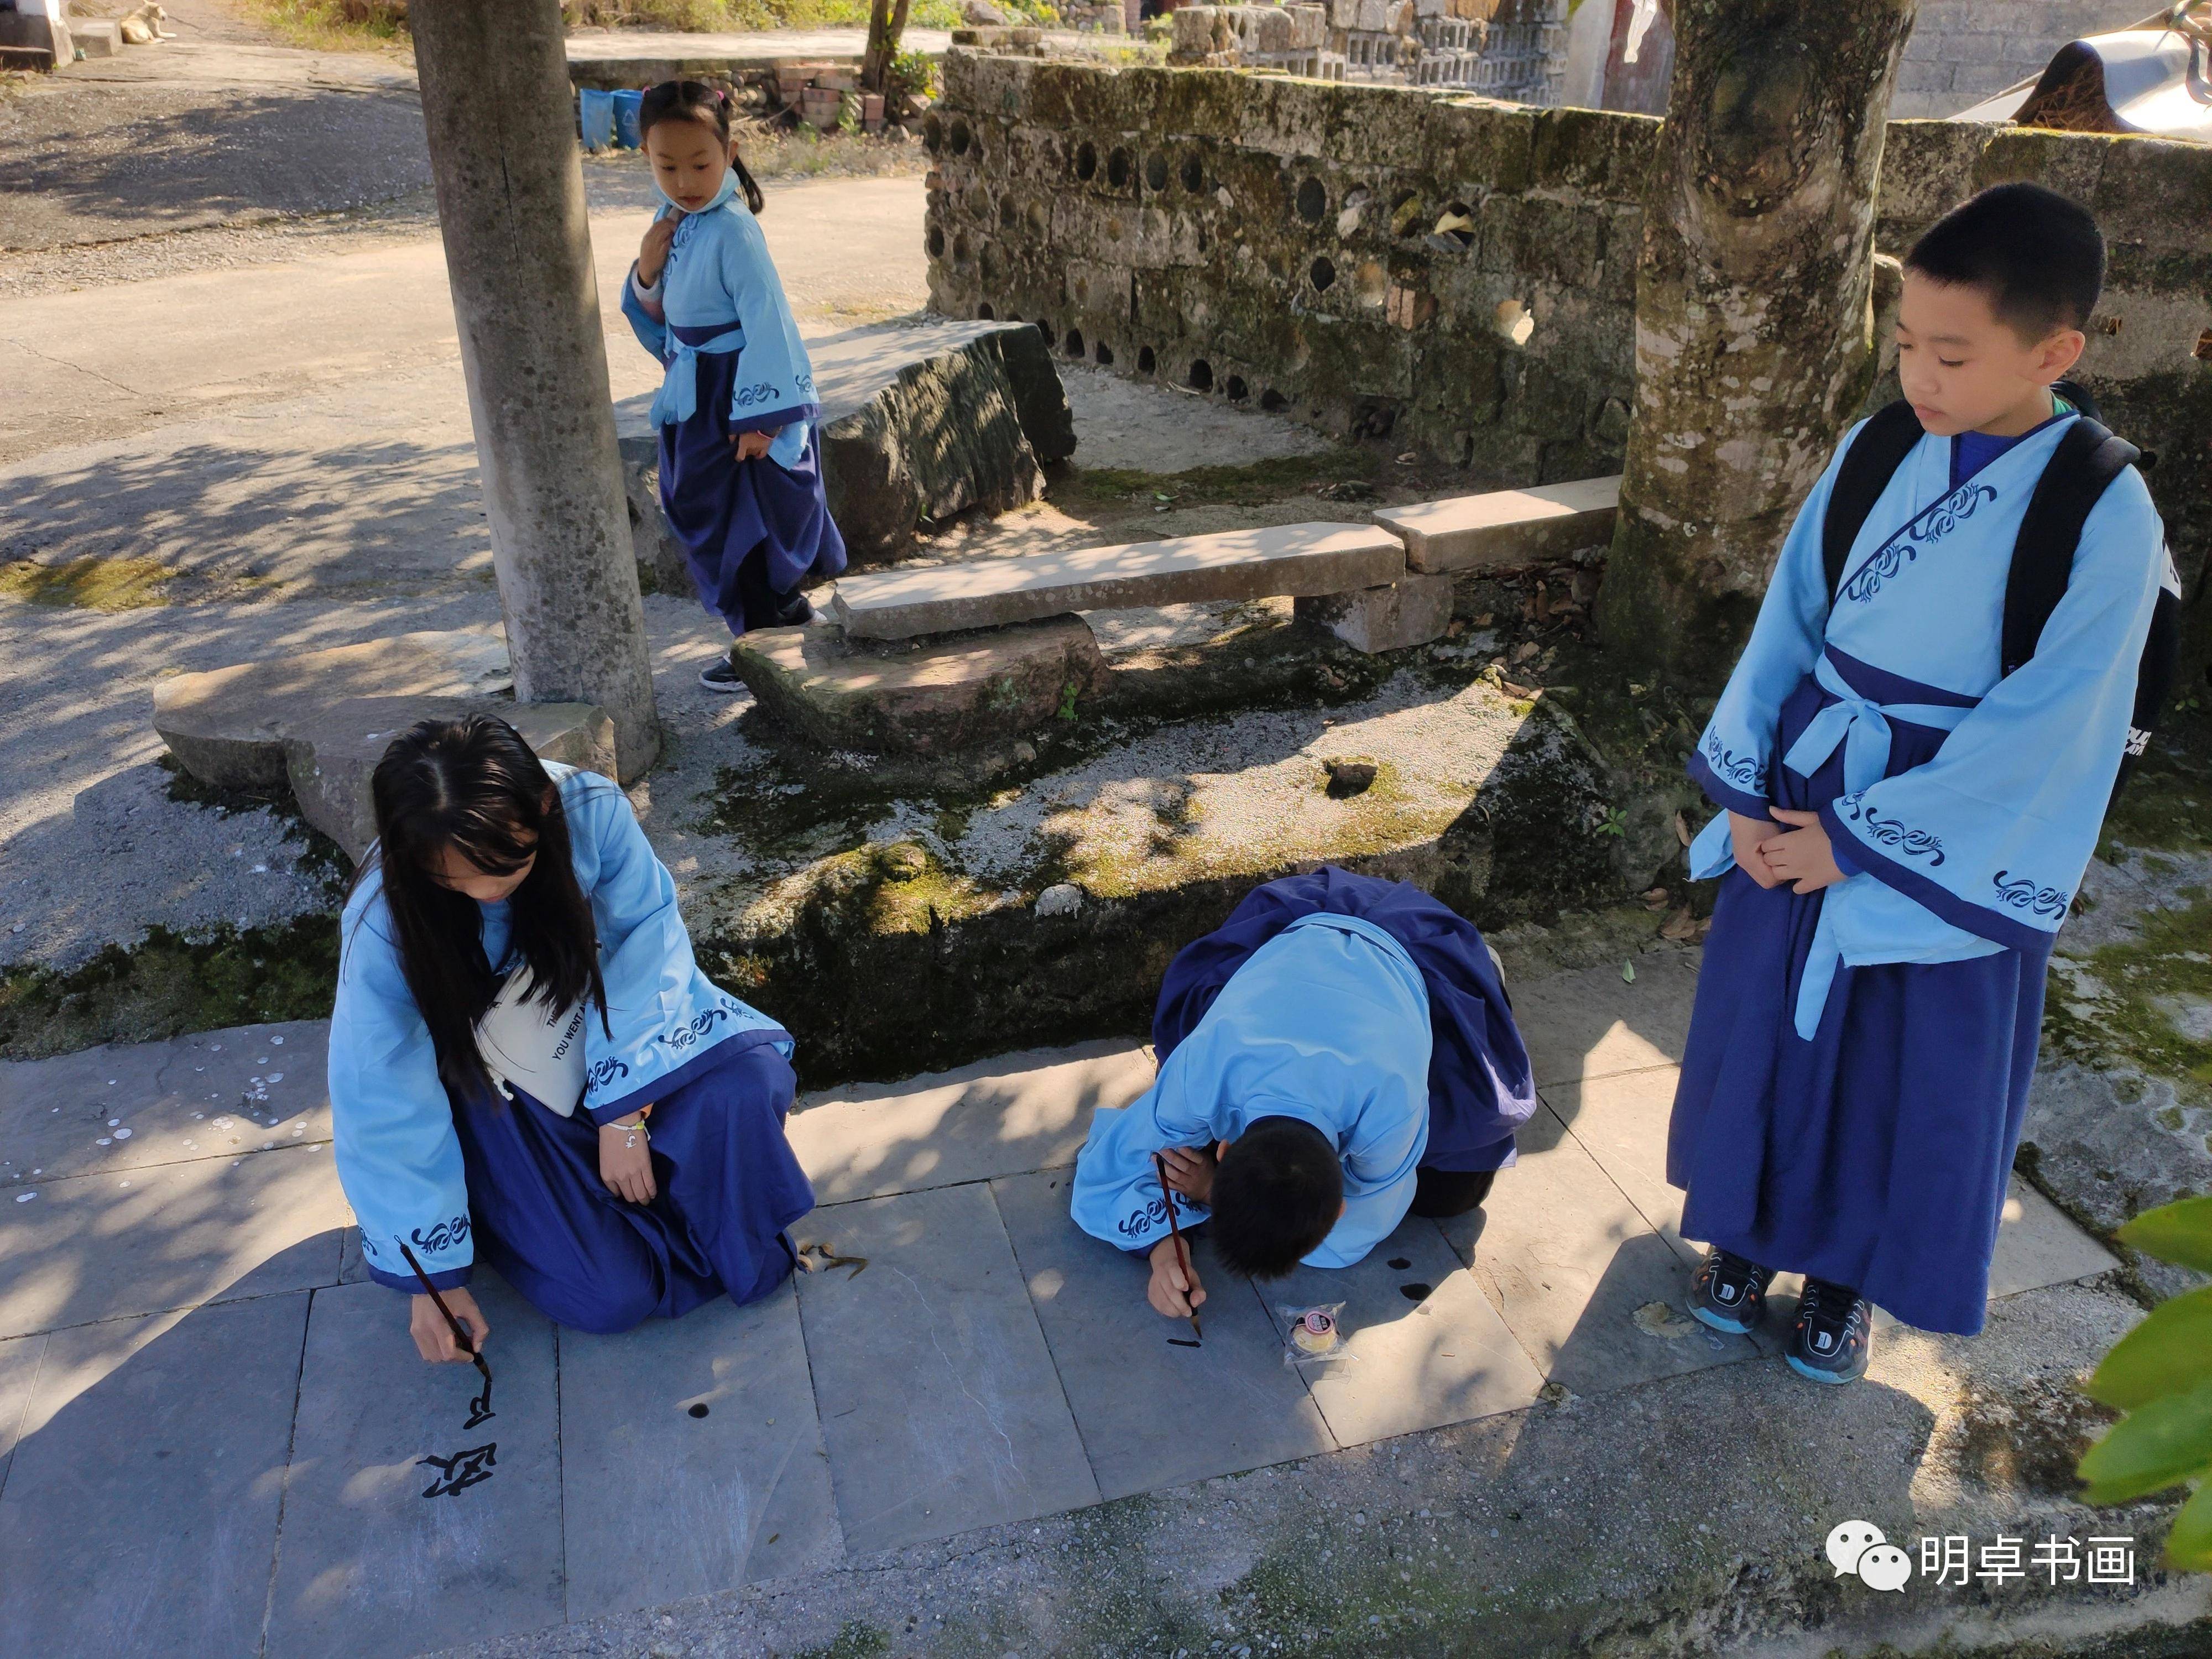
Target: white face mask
{"x":530,"y":1047}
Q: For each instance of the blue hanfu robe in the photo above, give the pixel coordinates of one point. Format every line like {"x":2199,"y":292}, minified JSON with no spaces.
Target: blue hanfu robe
{"x":754,"y":533}
{"x":1858,"y":1061}
{"x":1323,"y":998}
{"x":439,"y":1174}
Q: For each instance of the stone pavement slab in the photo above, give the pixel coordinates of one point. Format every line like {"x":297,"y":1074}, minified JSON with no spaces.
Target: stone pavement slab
{"x":181,"y":1235}
{"x":140,"y":1514}
{"x":1503,"y":528}
{"x":207,"y":1095}
{"x":1002,"y":1116}
{"x":1292,"y":559}
{"x":1154,"y":1413}
{"x":1621,"y":1119}
{"x":690,"y":1458}
{"x":1410,"y":1364}
{"x":1592,"y":1023}
{"x":19,"y":1369}
{"x":1568,"y":1260}
{"x":2037,"y":1244}
{"x":369,"y":1567}
{"x":938,"y":1401}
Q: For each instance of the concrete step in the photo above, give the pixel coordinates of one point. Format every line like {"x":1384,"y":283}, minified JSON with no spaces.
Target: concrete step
{"x":1502,"y":529}
{"x":1297,"y":560}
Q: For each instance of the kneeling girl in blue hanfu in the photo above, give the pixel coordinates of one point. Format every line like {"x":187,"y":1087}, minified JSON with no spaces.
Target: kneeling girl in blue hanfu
{"x":526,"y":1063}
{"x":740,"y":469}
{"x":1339,"y":1053}
{"x":1907,"y":815}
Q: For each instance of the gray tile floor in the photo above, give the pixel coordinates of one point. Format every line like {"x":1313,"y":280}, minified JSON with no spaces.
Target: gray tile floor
{"x":216,"y":1437}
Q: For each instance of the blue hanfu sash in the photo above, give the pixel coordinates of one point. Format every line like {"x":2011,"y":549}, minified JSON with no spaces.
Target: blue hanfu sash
{"x":1981,"y":847}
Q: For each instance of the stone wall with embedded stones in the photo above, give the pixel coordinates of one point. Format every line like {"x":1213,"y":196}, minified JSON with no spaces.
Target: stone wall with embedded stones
{"x":1455,"y":276}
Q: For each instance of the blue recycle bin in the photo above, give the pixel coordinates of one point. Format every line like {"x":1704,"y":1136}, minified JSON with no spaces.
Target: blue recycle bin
{"x":596,"y":112}
{"x":626,"y":108}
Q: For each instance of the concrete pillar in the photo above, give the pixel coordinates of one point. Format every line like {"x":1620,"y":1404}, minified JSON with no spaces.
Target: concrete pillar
{"x":501,"y":119}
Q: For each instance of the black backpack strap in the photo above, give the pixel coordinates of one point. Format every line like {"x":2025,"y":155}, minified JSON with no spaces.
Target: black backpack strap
{"x":2080,"y":469}
{"x":1868,"y":465}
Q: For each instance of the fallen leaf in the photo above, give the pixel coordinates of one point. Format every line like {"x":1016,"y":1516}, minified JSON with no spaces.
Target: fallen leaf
{"x":1680,"y":927}
{"x":1628,"y":972}
{"x":1656,"y":898}
{"x":1682,"y":828}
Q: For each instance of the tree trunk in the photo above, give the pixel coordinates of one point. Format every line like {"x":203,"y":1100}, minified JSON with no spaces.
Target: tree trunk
{"x":1753,"y":321}
{"x":501,"y":120}
{"x":886,"y":24}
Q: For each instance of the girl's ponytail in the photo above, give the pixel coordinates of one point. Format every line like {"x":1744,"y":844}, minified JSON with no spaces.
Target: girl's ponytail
{"x":750,"y":185}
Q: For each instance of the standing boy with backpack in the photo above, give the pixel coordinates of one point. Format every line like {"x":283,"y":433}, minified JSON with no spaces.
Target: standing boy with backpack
{"x":1914,"y":756}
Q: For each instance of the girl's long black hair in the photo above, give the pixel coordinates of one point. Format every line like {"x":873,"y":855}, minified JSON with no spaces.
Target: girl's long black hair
{"x":474,"y":786}
{"x":694,"y":100}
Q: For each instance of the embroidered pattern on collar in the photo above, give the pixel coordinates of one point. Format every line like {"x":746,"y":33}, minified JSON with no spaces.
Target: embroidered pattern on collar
{"x":1928,"y":526}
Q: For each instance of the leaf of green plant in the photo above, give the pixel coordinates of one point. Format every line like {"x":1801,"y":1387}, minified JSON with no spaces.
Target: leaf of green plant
{"x":2179,"y":1233}
{"x":2170,"y":1352}
{"x":2188,"y":1545}
{"x":2169,"y":1440}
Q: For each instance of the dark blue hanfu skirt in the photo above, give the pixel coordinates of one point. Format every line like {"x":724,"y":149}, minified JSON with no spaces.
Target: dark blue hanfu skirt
{"x":1875,"y":1155}
{"x":754,"y":533}
{"x":729,"y":1185}
{"x":1481,"y":1085}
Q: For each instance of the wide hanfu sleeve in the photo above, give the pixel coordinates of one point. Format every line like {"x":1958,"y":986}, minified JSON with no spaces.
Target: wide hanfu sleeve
{"x":1992,"y":834}
{"x":774,"y":389}
{"x":1735,"y":758}
{"x":663,"y":1015}
{"x":1116,"y":1194}
{"x":399,"y":1159}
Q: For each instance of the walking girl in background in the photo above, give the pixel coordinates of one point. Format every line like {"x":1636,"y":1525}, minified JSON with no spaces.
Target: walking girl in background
{"x":523,"y":1056}
{"x":740,"y":470}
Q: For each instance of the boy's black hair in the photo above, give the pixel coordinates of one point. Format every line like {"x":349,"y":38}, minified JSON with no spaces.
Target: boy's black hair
{"x":1277,"y":1194}
{"x":2036,"y":255}
{"x":696,"y":100}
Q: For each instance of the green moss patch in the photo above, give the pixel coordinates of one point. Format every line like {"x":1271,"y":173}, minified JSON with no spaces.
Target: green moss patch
{"x":88,"y":583}
{"x":168,"y":983}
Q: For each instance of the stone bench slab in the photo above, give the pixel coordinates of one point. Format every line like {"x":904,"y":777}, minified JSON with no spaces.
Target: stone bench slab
{"x":921,"y":420}
{"x":331,"y":754}
{"x":228,"y":726}
{"x":1502,"y":529}
{"x":1297,"y":560}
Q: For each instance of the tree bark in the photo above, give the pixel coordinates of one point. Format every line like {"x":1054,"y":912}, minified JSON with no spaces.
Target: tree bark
{"x":886,"y":25}
{"x":1753,"y":321}
{"x":501,"y":120}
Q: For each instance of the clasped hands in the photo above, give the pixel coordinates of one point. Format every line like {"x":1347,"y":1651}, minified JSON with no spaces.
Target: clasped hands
{"x":1800,"y":855}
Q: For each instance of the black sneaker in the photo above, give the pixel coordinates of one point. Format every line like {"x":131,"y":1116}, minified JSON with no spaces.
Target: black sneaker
{"x":719,"y":676}
{"x":1727,"y":1293}
{"x":1833,"y":1335}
